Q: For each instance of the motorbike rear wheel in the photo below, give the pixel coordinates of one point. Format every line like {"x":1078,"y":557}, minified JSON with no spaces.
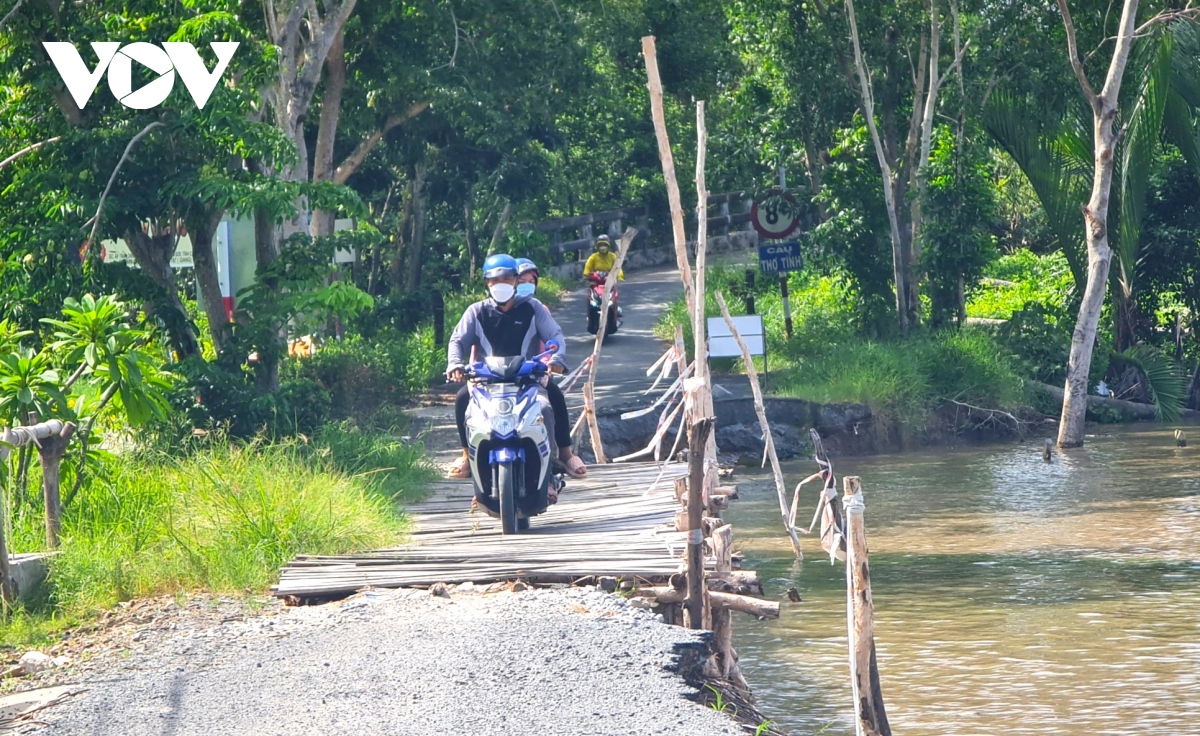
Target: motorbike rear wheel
{"x":506,"y":493}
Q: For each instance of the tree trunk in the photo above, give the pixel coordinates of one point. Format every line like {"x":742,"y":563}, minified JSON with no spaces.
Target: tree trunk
{"x":153,"y":251}
{"x":397,"y":265}
{"x":899,"y":247}
{"x":331,"y":106}
{"x":412,"y":278}
{"x":498,"y":233}
{"x":1095,"y":216}
{"x":473,"y":252}
{"x":203,"y":228}
{"x":304,"y":37}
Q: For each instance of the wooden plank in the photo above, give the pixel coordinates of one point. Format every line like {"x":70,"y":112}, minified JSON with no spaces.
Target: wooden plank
{"x":606,"y":525}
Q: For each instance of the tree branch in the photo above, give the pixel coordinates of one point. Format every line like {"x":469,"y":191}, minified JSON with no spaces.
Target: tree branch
{"x":10,"y":13}
{"x":28,"y":149}
{"x":1116,"y":70}
{"x":351,"y":163}
{"x":113,"y":177}
{"x":1073,"y":54}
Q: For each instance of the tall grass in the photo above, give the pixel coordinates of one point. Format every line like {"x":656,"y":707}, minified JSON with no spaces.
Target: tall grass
{"x":223,"y":517}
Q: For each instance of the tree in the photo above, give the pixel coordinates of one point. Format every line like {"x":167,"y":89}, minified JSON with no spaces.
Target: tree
{"x":1104,"y":108}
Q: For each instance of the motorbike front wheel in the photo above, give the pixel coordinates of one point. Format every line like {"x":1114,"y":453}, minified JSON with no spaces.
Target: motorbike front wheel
{"x":506,"y":493}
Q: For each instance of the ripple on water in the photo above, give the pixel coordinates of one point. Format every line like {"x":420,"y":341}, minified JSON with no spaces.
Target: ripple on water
{"x":1011,"y":596}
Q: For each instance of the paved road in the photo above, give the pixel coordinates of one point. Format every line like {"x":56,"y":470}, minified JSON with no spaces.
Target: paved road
{"x":402,"y":663}
{"x":621,"y":375}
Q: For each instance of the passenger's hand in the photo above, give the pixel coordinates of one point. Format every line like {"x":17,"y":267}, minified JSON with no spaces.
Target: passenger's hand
{"x":557,"y":368}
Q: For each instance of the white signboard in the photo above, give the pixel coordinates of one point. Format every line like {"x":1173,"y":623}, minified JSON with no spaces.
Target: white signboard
{"x":117,"y":251}
{"x":720,"y":340}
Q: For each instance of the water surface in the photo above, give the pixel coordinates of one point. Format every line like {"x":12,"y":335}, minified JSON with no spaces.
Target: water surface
{"x":1011,"y":596}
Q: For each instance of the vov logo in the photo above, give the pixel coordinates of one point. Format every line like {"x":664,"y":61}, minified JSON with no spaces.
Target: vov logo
{"x":118,"y":61}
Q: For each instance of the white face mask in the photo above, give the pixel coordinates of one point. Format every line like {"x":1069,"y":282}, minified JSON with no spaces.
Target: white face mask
{"x":526,"y":289}
{"x":501,"y":292}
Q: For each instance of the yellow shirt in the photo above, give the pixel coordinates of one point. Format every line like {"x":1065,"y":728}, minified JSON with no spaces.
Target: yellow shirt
{"x":601,"y":262}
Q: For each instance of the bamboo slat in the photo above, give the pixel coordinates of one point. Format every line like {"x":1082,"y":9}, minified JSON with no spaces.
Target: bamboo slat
{"x":606,"y":525}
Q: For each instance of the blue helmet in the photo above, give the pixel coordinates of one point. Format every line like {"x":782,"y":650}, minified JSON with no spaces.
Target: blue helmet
{"x":498,"y":265}
{"x":524,"y":266}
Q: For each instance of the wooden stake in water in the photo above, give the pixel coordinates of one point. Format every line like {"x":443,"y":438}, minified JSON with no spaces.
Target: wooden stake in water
{"x":870,"y":718}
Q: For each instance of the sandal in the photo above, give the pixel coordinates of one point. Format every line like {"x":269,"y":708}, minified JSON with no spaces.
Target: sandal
{"x":460,"y":469}
{"x":576,"y":468}
{"x":552,"y":493}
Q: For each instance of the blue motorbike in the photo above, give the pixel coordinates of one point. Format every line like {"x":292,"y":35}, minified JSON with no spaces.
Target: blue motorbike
{"x":508,"y":442}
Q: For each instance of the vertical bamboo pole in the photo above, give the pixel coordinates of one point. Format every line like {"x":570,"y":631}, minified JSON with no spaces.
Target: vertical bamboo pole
{"x":869,"y":713}
{"x":589,"y":388}
{"x":654,"y":84}
{"x":694,"y":603}
{"x":704,"y":399}
{"x":768,"y":439}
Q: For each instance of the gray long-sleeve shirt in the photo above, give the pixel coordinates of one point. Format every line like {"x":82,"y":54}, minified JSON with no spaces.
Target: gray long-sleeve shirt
{"x":518,"y":331}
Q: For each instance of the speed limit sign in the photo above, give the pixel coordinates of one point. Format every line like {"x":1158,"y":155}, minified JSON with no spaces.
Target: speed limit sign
{"x":776,"y":217}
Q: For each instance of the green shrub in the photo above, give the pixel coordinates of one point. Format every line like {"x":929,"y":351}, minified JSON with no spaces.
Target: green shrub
{"x":1014,"y":281}
{"x":226,"y":517}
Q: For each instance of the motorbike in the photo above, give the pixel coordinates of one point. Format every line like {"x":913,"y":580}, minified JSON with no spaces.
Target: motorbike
{"x":596,"y":281}
{"x":508,"y":442}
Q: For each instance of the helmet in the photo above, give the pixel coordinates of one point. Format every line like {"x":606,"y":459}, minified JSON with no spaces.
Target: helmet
{"x":498,"y":265}
{"x":524,"y":266}
{"x":603,"y":240}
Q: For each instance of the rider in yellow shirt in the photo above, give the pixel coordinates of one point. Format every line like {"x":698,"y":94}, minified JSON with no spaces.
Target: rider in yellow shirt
{"x":603,"y":259}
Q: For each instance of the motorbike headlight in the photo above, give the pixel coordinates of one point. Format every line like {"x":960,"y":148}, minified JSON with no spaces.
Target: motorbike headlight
{"x":504,"y":406}
{"x":504,"y":424}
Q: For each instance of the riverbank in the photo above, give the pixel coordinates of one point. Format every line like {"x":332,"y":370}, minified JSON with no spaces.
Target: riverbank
{"x":571,"y":660}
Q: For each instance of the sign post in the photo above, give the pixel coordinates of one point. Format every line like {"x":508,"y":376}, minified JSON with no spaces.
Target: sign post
{"x":781,"y":259}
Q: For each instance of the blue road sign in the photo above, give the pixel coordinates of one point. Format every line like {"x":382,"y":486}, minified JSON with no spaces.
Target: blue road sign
{"x":780,"y":257}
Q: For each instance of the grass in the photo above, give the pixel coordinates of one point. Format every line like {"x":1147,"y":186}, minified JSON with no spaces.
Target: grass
{"x":827,"y":361}
{"x":222,"y":518}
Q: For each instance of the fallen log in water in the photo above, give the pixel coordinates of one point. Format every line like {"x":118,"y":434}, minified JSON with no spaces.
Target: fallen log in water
{"x":1145,"y":412}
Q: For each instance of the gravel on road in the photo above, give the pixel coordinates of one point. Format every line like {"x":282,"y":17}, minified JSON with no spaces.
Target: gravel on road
{"x":541,"y":661}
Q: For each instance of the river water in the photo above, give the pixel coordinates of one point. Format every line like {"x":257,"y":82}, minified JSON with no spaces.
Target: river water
{"x":1011,"y":596}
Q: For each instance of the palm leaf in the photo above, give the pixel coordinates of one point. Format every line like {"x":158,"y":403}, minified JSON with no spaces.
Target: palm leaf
{"x":1049,"y":159}
{"x":1167,"y":385}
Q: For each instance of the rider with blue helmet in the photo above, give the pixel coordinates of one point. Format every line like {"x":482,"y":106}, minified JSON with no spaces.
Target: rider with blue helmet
{"x":506,"y":325}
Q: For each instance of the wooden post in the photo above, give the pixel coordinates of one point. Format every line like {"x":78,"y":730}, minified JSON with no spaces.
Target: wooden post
{"x":50,"y":452}
{"x":694,"y":605}
{"x":787,"y":305}
{"x":654,"y":84}
{"x":760,"y":409}
{"x":589,"y":394}
{"x":703,"y":399}
{"x":870,"y":716}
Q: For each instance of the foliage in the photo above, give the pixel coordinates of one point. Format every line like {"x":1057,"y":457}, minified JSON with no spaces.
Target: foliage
{"x":957,"y":210}
{"x":224,"y":519}
{"x":1167,"y":386}
{"x":1016,"y":279}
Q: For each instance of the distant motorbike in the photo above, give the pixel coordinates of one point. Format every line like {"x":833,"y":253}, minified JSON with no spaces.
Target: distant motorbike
{"x":596,"y":301}
{"x":507,"y":440}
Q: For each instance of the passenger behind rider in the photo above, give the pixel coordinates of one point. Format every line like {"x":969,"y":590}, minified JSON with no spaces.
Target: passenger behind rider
{"x":527,"y":283}
{"x":602,"y":259}
{"x":505,"y":325}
